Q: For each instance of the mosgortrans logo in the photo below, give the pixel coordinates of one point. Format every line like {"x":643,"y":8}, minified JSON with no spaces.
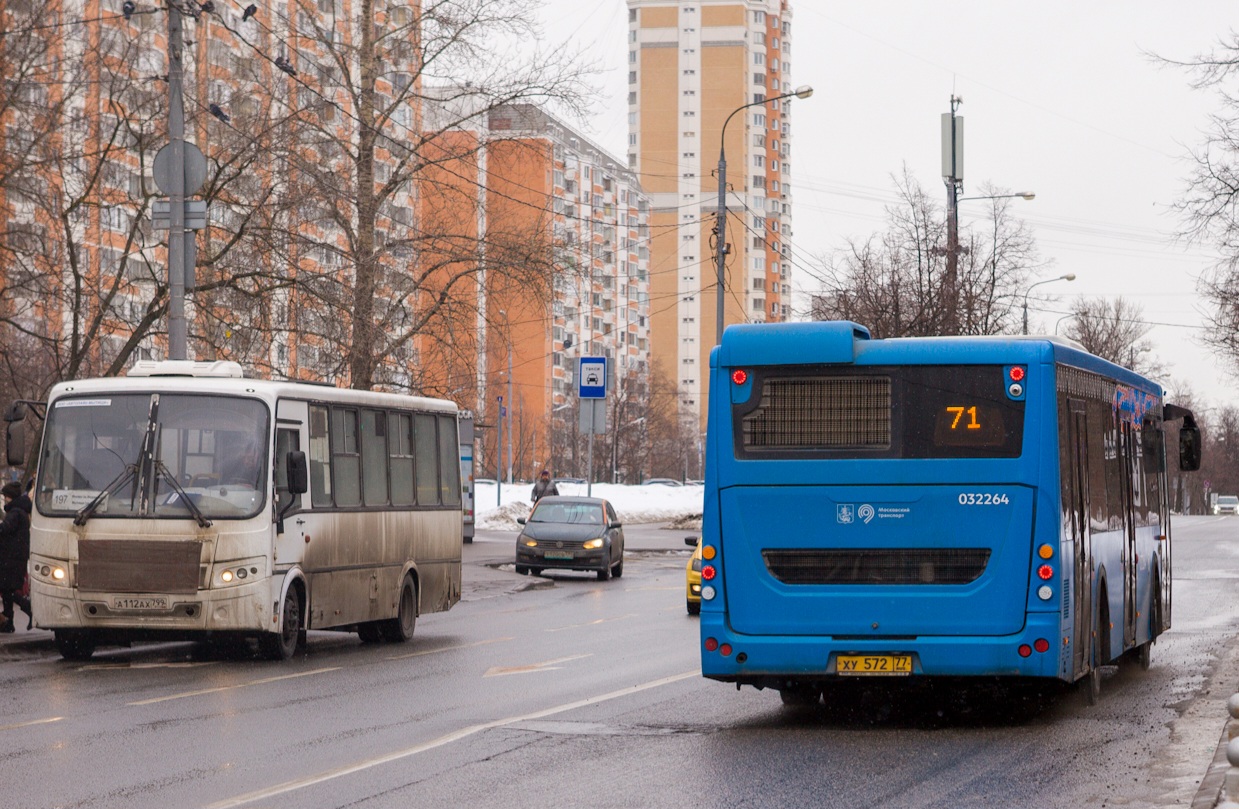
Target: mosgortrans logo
{"x":848,"y":513}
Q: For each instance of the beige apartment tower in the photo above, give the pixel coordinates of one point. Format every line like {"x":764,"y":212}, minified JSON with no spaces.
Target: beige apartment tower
{"x":692,"y":63}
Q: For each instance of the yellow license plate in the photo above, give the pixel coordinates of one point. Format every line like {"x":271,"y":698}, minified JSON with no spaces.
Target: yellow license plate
{"x":873,"y":665}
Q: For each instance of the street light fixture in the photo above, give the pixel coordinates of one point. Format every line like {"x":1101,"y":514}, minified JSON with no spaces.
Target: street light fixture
{"x":1067,"y":277}
{"x":1020,"y":194}
{"x":720,"y":226}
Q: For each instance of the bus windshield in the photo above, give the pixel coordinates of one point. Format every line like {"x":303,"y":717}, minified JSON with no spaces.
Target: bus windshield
{"x":132,"y":452}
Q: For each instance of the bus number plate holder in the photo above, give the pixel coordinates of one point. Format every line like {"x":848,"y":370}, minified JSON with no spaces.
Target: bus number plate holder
{"x":122,"y":604}
{"x":873,"y":665}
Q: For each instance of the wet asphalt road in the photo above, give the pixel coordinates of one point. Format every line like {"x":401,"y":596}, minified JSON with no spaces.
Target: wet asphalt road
{"x":586,"y":693}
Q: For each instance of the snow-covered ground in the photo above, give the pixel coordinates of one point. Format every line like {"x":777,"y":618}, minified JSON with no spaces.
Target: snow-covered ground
{"x":633,"y":504}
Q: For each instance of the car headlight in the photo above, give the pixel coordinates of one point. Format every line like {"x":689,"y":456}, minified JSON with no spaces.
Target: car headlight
{"x":593,"y":544}
{"x":531,"y":543}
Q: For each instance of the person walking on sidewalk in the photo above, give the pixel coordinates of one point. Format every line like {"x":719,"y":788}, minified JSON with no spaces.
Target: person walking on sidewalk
{"x":14,"y":554}
{"x":544,"y":487}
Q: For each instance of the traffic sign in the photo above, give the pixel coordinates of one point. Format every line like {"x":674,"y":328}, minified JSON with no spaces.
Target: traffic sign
{"x":592,"y":379}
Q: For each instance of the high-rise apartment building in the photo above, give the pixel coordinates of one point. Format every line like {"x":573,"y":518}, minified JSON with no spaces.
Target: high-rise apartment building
{"x":550,"y":181}
{"x":692,"y":63}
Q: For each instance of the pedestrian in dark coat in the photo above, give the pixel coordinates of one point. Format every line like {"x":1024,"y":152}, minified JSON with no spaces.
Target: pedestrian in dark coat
{"x":14,"y":553}
{"x":544,"y":487}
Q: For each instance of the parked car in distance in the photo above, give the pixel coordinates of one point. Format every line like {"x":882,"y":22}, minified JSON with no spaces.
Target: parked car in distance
{"x":1226,"y":504}
{"x":692,"y":577}
{"x":480,"y":481}
{"x":662,"y":482}
{"x":577,"y":481}
{"x":571,"y":533}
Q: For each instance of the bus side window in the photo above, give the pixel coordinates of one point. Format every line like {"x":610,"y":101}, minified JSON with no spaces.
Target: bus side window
{"x":285,"y":442}
{"x":449,"y":462}
{"x":427,"y":471}
{"x":320,"y":458}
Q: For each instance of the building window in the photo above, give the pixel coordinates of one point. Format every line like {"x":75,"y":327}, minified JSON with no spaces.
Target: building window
{"x":759,"y":58}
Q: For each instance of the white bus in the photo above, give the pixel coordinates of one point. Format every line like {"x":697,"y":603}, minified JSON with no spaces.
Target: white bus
{"x":185,"y":500}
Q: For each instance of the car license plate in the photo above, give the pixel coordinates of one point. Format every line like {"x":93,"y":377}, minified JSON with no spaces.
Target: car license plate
{"x":557,"y":555}
{"x":150,"y":603}
{"x":874,"y":665}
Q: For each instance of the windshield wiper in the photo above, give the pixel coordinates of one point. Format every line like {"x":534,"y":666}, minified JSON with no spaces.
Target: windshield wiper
{"x":162,"y":470}
{"x":88,"y":510}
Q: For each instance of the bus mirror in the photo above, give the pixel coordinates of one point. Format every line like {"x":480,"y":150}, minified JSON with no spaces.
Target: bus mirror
{"x":1189,"y":449}
{"x":298,"y":473}
{"x":15,"y":412}
{"x":15,"y":440}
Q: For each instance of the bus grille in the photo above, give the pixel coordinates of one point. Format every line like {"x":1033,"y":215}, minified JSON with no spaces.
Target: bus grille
{"x":877,"y":565}
{"x":128,"y":566}
{"x":846,"y":412}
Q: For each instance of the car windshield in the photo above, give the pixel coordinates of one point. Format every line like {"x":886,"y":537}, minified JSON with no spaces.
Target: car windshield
{"x":1228,"y":501}
{"x":572,"y":513}
{"x":132,"y":452}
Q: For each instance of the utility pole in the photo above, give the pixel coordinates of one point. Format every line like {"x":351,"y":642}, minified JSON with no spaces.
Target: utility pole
{"x":953,"y":176}
{"x":177,"y":332}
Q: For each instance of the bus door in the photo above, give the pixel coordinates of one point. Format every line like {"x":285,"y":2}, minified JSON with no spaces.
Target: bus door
{"x":1081,"y":539}
{"x":290,"y":434}
{"x":1130,"y":568}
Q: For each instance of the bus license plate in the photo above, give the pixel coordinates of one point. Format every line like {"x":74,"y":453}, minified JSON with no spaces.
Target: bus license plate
{"x":156,"y":603}
{"x":557,"y":555}
{"x":874,"y":665}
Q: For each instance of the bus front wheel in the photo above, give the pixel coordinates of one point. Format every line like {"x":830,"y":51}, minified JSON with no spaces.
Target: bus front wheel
{"x":283,"y":644}
{"x":74,"y":644}
{"x":400,"y":628}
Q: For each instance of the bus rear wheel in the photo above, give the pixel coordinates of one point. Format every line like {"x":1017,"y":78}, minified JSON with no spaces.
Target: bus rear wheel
{"x":400,"y":628}
{"x":75,"y":644}
{"x":282,"y":645}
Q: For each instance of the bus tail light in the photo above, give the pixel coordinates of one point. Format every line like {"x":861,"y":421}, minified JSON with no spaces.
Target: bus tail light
{"x":1045,"y":572}
{"x":739,"y":376}
{"x":1025,"y":650}
{"x":1041,"y":645}
{"x":708,"y":572}
{"x":725,"y":650}
{"x":711,"y":644}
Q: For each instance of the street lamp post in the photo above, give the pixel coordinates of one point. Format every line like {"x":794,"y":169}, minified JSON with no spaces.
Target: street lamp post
{"x":1066,"y":277}
{"x":951,"y":278}
{"x":720,"y":225}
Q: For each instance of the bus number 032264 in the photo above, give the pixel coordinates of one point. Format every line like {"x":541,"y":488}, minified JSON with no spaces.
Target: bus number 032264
{"x":982,"y":499}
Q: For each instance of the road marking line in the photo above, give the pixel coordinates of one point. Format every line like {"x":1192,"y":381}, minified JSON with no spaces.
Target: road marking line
{"x":263,"y":681}
{"x":31,"y":722}
{"x":447,"y":648}
{"x":591,"y":623}
{"x":549,"y":665}
{"x":457,"y":735}
{"x":131,"y":666}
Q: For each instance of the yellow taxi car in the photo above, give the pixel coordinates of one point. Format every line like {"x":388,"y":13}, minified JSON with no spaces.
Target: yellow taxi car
{"x":692,"y":575}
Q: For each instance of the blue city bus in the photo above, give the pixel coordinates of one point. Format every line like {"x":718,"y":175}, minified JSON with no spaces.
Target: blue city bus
{"x":930,"y":507}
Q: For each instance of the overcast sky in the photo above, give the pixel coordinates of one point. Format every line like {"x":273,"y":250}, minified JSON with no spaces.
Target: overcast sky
{"x":1059,"y":98}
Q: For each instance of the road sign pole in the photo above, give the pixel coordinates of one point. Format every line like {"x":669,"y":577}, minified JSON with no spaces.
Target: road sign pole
{"x":177,"y":331}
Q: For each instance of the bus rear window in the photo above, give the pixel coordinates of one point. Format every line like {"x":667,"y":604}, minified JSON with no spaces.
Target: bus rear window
{"x":927,"y":411}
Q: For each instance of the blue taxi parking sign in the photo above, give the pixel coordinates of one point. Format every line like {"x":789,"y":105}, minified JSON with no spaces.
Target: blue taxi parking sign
{"x":592,"y":379}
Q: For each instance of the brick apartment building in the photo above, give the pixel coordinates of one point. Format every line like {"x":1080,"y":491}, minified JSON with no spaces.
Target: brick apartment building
{"x":576,"y":212}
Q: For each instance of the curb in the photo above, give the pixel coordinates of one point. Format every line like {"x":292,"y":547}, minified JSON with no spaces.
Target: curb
{"x":1210,"y":790}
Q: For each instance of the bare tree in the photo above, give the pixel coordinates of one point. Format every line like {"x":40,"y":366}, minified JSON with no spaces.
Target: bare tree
{"x":1208,"y":203}
{"x":1114,"y":329}
{"x":894,"y":283}
{"x":384,"y":164}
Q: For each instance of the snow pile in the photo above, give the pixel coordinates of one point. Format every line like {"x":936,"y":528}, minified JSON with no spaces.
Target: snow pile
{"x":633,"y":504}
